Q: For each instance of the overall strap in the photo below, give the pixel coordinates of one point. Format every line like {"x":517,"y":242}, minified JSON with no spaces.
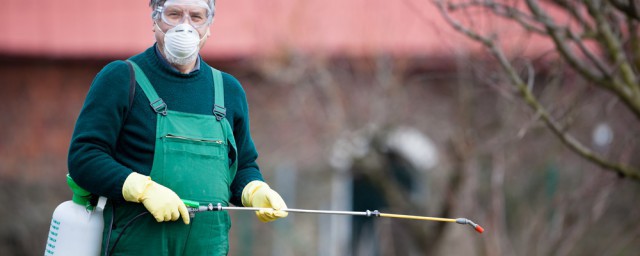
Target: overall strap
{"x":157,"y":103}
{"x":218,"y":106}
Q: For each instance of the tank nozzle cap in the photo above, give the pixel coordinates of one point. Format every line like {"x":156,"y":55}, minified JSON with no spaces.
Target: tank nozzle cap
{"x":80,"y":195}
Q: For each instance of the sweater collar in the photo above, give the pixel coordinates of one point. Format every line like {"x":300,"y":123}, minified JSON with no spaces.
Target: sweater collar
{"x":166,"y":63}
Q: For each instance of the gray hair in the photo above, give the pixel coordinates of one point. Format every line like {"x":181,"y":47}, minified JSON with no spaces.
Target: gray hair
{"x":155,"y":3}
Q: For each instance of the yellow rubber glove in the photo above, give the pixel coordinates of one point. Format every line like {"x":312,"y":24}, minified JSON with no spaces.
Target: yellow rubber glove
{"x":259,"y":194}
{"x":160,"y":201}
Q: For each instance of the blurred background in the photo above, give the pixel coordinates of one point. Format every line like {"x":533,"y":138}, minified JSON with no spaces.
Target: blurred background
{"x":522,"y":119}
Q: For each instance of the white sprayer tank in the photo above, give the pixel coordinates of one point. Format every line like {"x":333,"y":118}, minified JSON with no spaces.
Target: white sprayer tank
{"x":76,"y":226}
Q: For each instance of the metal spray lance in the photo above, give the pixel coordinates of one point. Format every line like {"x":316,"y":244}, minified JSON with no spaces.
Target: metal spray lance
{"x":194,"y":207}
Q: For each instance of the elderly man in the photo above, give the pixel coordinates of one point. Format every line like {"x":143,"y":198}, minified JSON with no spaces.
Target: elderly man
{"x":165,"y":126}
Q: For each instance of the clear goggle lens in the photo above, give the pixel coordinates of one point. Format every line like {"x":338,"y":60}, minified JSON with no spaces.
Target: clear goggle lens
{"x":174,"y":14}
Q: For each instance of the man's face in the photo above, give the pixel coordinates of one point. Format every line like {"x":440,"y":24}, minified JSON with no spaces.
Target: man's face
{"x":182,"y":11}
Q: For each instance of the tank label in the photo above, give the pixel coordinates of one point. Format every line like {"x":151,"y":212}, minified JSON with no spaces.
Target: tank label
{"x":53,"y":237}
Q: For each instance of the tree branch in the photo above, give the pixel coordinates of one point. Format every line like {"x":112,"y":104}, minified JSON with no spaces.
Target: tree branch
{"x":571,"y":8}
{"x":555,"y":127}
{"x":632,"y":9}
{"x":597,"y":62}
{"x":629,"y":93}
{"x":614,"y":48}
{"x":557,"y":35}
{"x":505,"y":11}
{"x":531,"y":100}
{"x":634,"y":41}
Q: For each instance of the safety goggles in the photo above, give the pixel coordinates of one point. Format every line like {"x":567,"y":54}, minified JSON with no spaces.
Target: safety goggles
{"x":174,"y":13}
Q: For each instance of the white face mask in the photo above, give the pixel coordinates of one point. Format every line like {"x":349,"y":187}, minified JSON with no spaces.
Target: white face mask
{"x":181,"y":44}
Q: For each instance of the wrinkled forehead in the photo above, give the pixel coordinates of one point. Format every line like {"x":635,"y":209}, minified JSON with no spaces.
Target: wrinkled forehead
{"x":201,"y":3}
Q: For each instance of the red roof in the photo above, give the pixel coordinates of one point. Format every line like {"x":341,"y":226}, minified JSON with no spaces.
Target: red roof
{"x":74,"y":28}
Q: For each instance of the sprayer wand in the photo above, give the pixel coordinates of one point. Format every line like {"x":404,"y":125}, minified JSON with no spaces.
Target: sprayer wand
{"x":194,"y":207}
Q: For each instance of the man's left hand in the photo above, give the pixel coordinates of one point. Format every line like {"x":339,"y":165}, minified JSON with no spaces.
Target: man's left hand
{"x":259,"y":194}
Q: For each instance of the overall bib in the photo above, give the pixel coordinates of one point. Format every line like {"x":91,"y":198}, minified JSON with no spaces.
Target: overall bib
{"x":192,"y":159}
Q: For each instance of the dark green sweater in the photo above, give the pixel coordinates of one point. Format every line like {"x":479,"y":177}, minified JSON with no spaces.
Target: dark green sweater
{"x":111,"y":140}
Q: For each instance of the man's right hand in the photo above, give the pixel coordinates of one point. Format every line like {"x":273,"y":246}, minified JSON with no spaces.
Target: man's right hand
{"x":160,"y":201}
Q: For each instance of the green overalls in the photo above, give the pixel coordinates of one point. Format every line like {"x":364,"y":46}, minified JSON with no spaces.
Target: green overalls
{"x":192,"y":159}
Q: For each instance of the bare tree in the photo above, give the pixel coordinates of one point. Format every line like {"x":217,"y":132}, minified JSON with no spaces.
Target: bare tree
{"x":598,"y":39}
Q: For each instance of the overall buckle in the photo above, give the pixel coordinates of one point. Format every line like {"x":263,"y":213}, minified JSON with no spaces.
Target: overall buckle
{"x":219,"y":111}
{"x":159,"y":107}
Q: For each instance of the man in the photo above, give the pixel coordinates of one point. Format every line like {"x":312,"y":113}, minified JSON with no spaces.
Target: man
{"x":181,"y":133}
